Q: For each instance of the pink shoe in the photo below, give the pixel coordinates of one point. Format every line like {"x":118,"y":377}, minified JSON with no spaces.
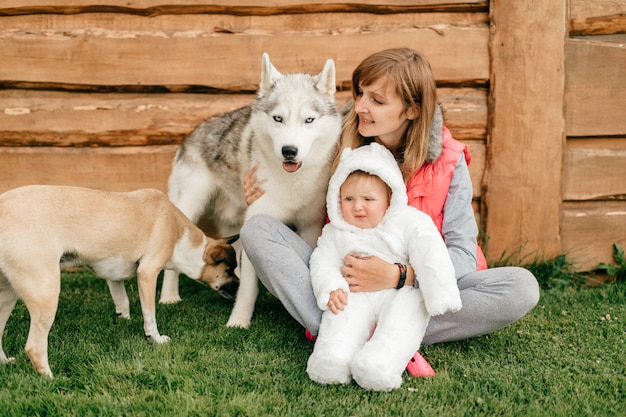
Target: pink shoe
{"x":310,"y":336}
{"x":418,"y":367}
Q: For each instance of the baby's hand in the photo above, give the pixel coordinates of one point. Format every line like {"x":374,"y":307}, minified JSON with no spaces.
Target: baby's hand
{"x":338,"y":299}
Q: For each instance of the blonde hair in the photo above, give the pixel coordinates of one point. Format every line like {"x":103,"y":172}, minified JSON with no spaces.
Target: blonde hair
{"x":411,"y":74}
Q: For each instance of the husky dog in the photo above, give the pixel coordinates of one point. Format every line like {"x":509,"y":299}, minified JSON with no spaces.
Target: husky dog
{"x":291,"y":133}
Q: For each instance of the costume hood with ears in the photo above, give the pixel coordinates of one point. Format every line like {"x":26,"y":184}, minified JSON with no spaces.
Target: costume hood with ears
{"x":374,"y":159}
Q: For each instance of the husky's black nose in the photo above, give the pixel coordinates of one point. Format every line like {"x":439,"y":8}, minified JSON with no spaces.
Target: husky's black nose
{"x":289,"y":152}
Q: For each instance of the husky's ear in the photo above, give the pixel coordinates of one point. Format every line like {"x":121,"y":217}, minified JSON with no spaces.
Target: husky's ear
{"x":269,"y":74}
{"x":325,"y":80}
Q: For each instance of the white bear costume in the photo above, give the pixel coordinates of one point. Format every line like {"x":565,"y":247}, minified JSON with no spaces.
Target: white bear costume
{"x":344,"y":349}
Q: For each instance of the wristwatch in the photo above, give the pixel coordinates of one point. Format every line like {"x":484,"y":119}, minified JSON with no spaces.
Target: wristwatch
{"x":402,"y":279}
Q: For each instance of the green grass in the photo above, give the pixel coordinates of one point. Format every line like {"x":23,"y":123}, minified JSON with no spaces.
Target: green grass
{"x":566,"y":358}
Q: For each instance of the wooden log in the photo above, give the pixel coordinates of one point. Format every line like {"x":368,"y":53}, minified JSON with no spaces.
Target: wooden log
{"x":595,"y":173}
{"x":121,"y":168}
{"x":465,"y":111}
{"x":184,"y":61}
{"x":589,"y":230}
{"x":180,"y":25}
{"x":44,"y":118}
{"x":477,"y":167}
{"x":522,"y":181}
{"x":112,"y":169}
{"x":242,"y":7}
{"x":597,"y":17}
{"x":595,"y":89}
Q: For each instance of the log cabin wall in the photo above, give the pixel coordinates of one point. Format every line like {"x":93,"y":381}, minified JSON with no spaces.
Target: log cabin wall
{"x":594,"y":155}
{"x":100,"y":93}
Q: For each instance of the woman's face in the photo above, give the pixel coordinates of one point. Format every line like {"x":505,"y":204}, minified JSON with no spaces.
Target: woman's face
{"x":382,"y":113}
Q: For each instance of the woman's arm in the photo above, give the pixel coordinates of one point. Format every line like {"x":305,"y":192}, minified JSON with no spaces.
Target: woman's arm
{"x":459,"y":224}
{"x":371,"y":273}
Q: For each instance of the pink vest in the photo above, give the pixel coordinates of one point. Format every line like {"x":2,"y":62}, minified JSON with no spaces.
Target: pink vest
{"x":427,"y":188}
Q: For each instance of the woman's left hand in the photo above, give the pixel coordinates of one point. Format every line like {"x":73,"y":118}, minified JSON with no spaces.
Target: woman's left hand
{"x":252,"y":187}
{"x":370,"y":273}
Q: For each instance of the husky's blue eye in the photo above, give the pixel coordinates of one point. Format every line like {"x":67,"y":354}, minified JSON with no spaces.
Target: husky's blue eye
{"x":277,"y":119}
{"x":309,"y":120}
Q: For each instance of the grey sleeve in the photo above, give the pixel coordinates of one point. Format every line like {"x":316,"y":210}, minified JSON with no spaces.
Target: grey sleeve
{"x":459,"y":224}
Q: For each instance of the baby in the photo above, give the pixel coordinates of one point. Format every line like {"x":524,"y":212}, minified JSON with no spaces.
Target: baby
{"x":371,"y":336}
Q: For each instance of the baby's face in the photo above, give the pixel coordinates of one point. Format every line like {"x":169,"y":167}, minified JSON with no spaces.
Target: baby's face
{"x":364,"y":200}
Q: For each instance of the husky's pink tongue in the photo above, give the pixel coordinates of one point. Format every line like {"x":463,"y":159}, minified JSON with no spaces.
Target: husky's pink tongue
{"x":291,"y":166}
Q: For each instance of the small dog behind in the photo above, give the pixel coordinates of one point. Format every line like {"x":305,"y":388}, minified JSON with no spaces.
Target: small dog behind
{"x":119,"y":235}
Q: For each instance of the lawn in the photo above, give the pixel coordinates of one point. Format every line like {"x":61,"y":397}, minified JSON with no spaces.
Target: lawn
{"x":566,"y":358}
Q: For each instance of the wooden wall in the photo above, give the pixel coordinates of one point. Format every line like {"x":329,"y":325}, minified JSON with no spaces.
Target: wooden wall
{"x":100,"y":93}
{"x":593,"y":183}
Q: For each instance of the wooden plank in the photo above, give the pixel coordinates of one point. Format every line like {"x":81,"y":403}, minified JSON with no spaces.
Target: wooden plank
{"x":477,"y":166}
{"x":113,"y":169}
{"x":597,"y":17}
{"x":595,"y":89}
{"x":35,"y":118}
{"x":465,"y":111}
{"x":196,"y":59}
{"x":594,"y":173}
{"x":31,"y":118}
{"x":522,"y":182}
{"x":105,"y":167}
{"x":597,"y":142}
{"x":224,"y":3}
{"x":121,"y":168}
{"x":248,"y":7}
{"x":234,"y":24}
{"x":590,"y":229}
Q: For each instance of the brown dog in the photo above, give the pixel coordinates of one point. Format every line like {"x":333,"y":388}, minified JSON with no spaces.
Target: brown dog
{"x":119,"y":235}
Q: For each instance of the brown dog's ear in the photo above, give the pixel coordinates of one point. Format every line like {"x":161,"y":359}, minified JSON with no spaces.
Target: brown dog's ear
{"x":220,"y":252}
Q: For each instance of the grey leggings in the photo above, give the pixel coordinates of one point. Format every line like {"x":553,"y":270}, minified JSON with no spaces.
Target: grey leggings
{"x":492,"y":299}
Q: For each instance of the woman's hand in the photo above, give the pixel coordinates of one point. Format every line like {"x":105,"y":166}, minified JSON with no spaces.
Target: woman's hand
{"x":370,"y":273}
{"x":252,"y":187}
{"x":338,"y":299}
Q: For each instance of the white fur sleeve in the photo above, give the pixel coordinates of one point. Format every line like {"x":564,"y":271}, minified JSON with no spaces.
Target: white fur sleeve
{"x":433,"y":267}
{"x":325,"y":264}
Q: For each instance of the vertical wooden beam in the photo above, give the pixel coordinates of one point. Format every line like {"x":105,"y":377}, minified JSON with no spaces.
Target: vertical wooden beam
{"x":525,"y":142}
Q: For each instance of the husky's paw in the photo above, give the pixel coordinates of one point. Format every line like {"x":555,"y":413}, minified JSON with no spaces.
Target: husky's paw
{"x":158,"y":340}
{"x":238,"y":322}
{"x":46,"y":372}
{"x":123,"y":315}
{"x":169,"y":299}
{"x":5,"y":360}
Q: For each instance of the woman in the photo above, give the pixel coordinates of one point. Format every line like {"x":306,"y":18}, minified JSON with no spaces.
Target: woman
{"x":395,"y":105}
